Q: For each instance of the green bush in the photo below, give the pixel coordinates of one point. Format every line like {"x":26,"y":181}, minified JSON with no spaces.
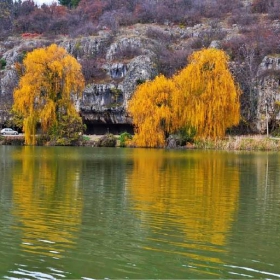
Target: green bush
{"x":185,"y":135}
{"x":124,"y":138}
{"x":3,"y":64}
{"x":86,"y":138}
{"x":68,"y":132}
{"x":275,"y":132}
{"x":42,"y":139}
{"x":140,"y":82}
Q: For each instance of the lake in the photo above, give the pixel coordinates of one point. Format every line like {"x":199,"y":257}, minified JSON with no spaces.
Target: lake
{"x":87,"y":213}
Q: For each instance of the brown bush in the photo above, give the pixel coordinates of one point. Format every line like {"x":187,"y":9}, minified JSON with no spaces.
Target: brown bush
{"x":260,"y":6}
{"x":159,"y":35}
{"x":171,"y":61}
{"x":127,"y":52}
{"x":108,"y":140}
{"x":92,"y":69}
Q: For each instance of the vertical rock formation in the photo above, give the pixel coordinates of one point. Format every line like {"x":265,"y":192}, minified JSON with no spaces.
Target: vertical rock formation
{"x":268,"y":93}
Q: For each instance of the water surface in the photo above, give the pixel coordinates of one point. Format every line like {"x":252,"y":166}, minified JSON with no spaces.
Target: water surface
{"x":87,"y":213}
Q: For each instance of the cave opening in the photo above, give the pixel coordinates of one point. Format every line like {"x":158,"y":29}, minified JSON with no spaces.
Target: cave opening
{"x":100,"y":129}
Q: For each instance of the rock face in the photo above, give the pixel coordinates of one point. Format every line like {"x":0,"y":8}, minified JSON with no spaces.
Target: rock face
{"x":268,"y":93}
{"x":107,"y":103}
{"x":112,"y":98}
{"x":87,"y":46}
{"x":104,"y":102}
{"x":125,"y":60}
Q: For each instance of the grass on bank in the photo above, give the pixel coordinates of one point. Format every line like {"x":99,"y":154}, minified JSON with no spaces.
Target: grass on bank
{"x":242,"y":143}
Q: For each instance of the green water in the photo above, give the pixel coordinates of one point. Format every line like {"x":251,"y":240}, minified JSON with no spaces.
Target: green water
{"x":87,"y":213}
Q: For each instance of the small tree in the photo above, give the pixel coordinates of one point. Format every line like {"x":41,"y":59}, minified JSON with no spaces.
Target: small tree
{"x":51,"y":79}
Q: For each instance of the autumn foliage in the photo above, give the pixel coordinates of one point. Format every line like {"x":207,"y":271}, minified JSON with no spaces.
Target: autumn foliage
{"x":206,"y":98}
{"x":151,"y":111}
{"x":51,"y":79}
{"x":202,"y":97}
{"x":158,"y":169}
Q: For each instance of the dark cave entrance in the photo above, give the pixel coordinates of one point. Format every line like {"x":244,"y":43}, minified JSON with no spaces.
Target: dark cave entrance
{"x":100,"y":129}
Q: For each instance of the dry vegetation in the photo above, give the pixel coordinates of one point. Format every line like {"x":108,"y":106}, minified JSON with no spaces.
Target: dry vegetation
{"x":241,"y":143}
{"x":247,"y":30}
{"x":254,"y":24}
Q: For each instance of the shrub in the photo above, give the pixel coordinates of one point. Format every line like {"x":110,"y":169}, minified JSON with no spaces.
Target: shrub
{"x":42,"y":139}
{"x":68,"y":132}
{"x":86,"y":138}
{"x":92,"y":69}
{"x":171,"y":61}
{"x":13,"y":140}
{"x":110,"y":20}
{"x":274,"y":11}
{"x":181,"y":138}
{"x":213,"y":34}
{"x":243,"y":19}
{"x":140,"y":81}
{"x":186,"y":135}
{"x":3,"y":64}
{"x":127,"y":52}
{"x":125,"y":139}
{"x":260,"y":6}
{"x":158,"y":34}
{"x":108,"y":140}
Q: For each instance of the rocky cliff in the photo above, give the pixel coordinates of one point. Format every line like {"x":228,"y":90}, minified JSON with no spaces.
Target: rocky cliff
{"x":268,"y":94}
{"x":117,"y":62}
{"x":104,"y":99}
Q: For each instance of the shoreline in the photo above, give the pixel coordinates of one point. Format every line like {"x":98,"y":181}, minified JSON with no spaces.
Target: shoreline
{"x":230,"y":143}
{"x":242,"y":143}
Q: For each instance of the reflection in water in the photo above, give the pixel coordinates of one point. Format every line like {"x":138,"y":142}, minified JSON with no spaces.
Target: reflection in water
{"x":259,"y":214}
{"x":47,"y":199}
{"x":195,"y":192}
{"x":83,"y":213}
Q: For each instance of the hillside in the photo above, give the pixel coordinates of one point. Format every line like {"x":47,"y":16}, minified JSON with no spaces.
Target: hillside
{"x":123,"y":43}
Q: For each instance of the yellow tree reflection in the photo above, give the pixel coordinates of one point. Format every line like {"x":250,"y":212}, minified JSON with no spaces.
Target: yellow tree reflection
{"x":197,"y":191}
{"x":47,"y":199}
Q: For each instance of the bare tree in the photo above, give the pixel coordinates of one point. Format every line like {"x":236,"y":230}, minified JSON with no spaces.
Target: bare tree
{"x":245,"y":70}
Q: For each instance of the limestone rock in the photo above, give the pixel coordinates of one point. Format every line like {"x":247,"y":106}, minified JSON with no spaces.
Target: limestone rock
{"x":215,"y":44}
{"x":140,"y":69}
{"x":86,"y":46}
{"x":268,"y":92}
{"x":107,"y":103}
{"x":118,"y":70}
{"x":132,"y":43}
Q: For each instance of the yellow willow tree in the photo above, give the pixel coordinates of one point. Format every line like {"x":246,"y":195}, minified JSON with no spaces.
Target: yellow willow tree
{"x":51,"y":79}
{"x":150,"y":110}
{"x":206,"y":97}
